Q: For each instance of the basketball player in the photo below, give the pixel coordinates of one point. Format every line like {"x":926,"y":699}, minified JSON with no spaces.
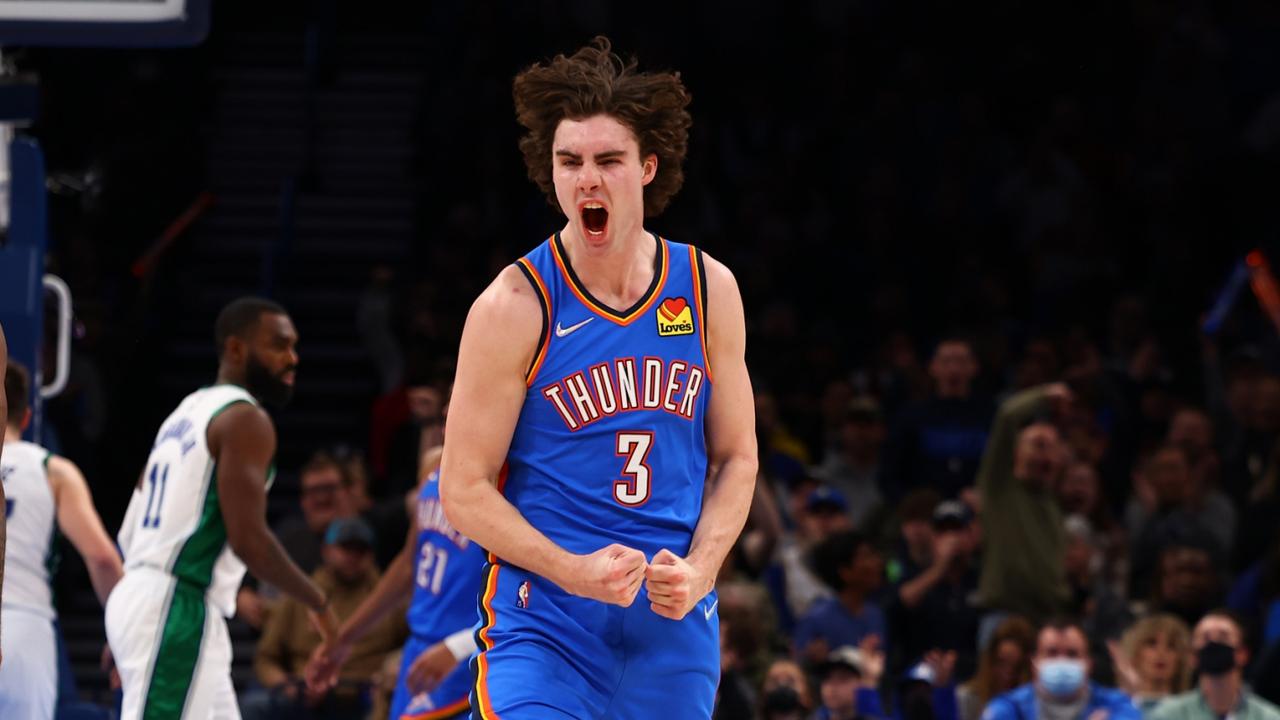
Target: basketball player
{"x":41,"y":489}
{"x":197,"y":518}
{"x":443,"y":569}
{"x":601,"y":435}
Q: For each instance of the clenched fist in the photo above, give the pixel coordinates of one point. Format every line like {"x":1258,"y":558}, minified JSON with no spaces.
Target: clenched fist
{"x":611,"y":575}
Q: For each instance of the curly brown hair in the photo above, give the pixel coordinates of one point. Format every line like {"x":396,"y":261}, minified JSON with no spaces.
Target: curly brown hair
{"x":596,"y":81}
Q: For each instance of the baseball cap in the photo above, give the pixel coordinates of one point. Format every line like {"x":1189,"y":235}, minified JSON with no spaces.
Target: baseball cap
{"x":845,"y":656}
{"x":952,"y":514}
{"x":349,"y":531}
{"x":825,"y":496}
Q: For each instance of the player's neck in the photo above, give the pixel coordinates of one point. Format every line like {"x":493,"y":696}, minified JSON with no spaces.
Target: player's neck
{"x":622,"y":269}
{"x":12,"y":434}
{"x":228,"y":377}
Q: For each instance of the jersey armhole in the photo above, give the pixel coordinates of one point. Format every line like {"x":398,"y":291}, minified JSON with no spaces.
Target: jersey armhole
{"x":700,"y":295}
{"x":544,"y":303}
{"x":214,"y":416}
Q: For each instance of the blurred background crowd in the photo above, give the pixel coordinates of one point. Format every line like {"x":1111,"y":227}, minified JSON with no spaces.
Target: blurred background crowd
{"x":976,"y":243}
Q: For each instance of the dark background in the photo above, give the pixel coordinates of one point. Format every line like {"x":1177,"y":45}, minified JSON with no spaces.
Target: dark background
{"x":876,"y":174}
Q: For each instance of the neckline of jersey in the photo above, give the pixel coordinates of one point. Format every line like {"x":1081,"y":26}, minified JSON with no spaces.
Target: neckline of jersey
{"x":661,"y":265}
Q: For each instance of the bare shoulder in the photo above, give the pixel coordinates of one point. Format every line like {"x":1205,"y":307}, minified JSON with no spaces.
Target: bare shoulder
{"x":509,"y":300}
{"x":61,"y":468}
{"x":242,"y":427}
{"x":503,"y":326}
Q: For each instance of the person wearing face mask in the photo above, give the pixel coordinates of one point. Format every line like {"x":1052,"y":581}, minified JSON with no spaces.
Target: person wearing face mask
{"x":1061,"y":689}
{"x":1219,"y":658}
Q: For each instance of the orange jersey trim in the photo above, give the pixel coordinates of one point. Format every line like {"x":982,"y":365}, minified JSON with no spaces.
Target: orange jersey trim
{"x":440,"y":713}
{"x":601,"y":310}
{"x":698,"y":284}
{"x":484,"y":704}
{"x":544,"y":339}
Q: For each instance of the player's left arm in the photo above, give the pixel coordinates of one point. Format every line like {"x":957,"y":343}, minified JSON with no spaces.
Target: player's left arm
{"x":79,"y":521}
{"x":676,"y":584}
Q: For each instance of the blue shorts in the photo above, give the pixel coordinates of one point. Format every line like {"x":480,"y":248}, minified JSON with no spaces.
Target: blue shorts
{"x":447,"y":700}
{"x":548,"y":654}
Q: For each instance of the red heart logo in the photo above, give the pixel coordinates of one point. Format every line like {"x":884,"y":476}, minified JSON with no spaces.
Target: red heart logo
{"x":672,"y":307}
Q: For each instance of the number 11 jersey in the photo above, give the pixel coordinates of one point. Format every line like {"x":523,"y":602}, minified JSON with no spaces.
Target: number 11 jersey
{"x":174,"y":522}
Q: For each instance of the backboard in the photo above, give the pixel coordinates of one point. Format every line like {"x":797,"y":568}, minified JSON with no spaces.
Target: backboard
{"x":103,"y":23}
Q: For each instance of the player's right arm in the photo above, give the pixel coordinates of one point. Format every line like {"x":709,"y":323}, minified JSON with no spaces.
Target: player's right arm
{"x":498,"y":343}
{"x":79,"y":521}
{"x":244,"y":442}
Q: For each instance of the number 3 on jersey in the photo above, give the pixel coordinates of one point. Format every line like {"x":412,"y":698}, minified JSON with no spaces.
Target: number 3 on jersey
{"x":633,"y":490}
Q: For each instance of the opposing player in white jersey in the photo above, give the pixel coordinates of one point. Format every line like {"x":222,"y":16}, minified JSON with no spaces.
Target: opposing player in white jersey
{"x":43,"y":492}
{"x":197,"y":519}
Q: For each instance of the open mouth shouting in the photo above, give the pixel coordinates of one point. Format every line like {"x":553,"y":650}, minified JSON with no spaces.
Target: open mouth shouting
{"x":595,"y":218}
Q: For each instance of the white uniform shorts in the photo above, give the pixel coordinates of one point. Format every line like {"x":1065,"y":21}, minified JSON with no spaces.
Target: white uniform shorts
{"x":29,"y":666}
{"x":171,"y":648}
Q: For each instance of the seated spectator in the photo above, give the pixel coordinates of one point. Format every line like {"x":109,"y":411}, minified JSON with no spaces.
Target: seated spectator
{"x":1255,"y":593}
{"x":937,"y":443}
{"x":1191,"y":429}
{"x":1167,"y":500}
{"x":1188,"y":583}
{"x":782,"y":454}
{"x":927,"y":691}
{"x":854,"y":469}
{"x":933,"y":609}
{"x":913,"y":547}
{"x":850,"y":564}
{"x":1260,"y":508}
{"x":1005,"y":664}
{"x":347,"y":577}
{"x":745,"y":631}
{"x":848,"y":681}
{"x":1152,"y":661}
{"x":735,"y":697}
{"x":324,"y":496}
{"x":1103,"y":613}
{"x":1022,"y":569}
{"x":786,"y":693}
{"x":820,"y":513}
{"x":1061,"y":689}
{"x":1219,"y":656}
{"x":1080,"y":493}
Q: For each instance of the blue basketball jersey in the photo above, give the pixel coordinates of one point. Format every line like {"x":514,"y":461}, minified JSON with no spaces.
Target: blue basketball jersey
{"x":447,"y":571}
{"x":610,"y":444}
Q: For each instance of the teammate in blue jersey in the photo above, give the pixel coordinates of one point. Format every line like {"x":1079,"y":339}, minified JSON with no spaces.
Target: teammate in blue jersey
{"x":443,"y":569}
{"x":601,"y":436}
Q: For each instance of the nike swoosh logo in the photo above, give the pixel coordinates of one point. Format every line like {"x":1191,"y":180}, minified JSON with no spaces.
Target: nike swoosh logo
{"x":562,"y":331}
{"x":707,"y":613}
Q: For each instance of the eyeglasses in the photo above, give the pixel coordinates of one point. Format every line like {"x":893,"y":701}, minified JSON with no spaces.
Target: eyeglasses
{"x":318,"y":490}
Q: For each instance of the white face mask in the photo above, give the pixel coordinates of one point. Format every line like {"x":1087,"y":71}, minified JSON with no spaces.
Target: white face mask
{"x":1061,"y":677}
